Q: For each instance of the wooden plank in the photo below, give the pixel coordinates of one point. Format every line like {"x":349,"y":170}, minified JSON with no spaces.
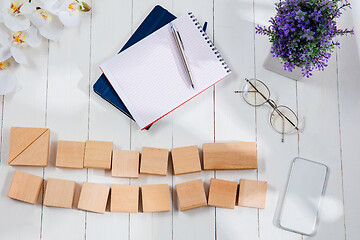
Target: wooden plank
{"x":320,"y":141}
{"x":348,"y":81}
{"x":193,"y":124}
{"x":229,"y":156}
{"x":110,"y":29}
{"x":26,"y":108}
{"x":274,"y":156}
{"x":153,"y":225}
{"x":67,"y":117}
{"x":234,"y":119}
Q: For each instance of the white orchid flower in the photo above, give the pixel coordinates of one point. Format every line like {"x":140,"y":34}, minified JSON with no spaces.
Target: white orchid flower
{"x":13,"y":14}
{"x":45,"y":19}
{"x":67,"y":11}
{"x":11,"y":44}
{"x":7,"y":78}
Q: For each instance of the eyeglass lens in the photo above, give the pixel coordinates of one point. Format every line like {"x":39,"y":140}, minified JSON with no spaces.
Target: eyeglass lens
{"x":253,"y":97}
{"x":281,"y":119}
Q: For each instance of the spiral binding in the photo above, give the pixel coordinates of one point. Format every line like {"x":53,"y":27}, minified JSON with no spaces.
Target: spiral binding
{"x":208,"y":41}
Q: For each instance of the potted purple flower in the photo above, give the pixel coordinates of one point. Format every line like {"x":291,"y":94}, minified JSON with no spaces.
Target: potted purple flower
{"x":302,"y":33}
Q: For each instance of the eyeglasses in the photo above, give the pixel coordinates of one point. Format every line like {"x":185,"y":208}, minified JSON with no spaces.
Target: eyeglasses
{"x":282,"y":118}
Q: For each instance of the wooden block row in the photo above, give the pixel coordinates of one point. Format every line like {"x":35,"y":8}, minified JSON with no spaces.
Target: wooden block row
{"x":125,"y":198}
{"x":222,"y":193}
{"x":30,"y":147}
{"x":93,"y":197}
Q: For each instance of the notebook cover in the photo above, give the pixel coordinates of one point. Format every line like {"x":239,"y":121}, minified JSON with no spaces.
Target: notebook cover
{"x":167,"y":82}
{"x":156,"y":19}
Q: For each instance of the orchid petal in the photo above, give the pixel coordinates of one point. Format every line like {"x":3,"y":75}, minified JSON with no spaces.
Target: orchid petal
{"x":69,"y":20}
{"x":52,"y":30}
{"x":18,"y":55}
{"x":32,"y":37}
{"x":52,"y":6}
{"x":28,"y":8}
{"x":16,"y":23}
{"x":7,"y":82}
{"x":4,"y":38}
{"x":36,"y":19}
{"x":5,"y":53}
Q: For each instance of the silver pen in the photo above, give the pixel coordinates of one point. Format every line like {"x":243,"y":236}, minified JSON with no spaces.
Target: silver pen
{"x":180,"y":47}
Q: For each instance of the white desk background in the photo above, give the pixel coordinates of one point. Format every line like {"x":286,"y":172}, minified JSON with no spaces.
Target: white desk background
{"x":57,"y":93}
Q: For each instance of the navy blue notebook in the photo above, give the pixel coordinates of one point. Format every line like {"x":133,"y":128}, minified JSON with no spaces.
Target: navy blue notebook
{"x":156,"y":19}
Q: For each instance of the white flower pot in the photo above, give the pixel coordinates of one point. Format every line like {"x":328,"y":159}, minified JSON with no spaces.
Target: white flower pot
{"x":273,"y":64}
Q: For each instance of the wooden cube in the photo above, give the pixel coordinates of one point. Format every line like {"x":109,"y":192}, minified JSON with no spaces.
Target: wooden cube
{"x":222,"y":193}
{"x":191,"y":194}
{"x":25,"y":187}
{"x":93,"y":197}
{"x":29,"y":146}
{"x":70,"y":154}
{"x":252,"y":193}
{"x":154,"y":161}
{"x":234,"y":155}
{"x":155,"y":198}
{"x":124,"y":198}
{"x":186,"y":160}
{"x":59,"y":193}
{"x":125,"y":164}
{"x":98,"y":154}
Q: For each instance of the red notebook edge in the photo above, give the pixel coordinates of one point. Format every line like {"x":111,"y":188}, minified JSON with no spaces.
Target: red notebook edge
{"x":181,"y":103}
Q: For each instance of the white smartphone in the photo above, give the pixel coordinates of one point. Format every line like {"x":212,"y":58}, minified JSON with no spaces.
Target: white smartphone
{"x":305,"y":188}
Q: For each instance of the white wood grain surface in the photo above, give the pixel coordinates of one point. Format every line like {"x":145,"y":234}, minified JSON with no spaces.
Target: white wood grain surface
{"x":56,"y":92}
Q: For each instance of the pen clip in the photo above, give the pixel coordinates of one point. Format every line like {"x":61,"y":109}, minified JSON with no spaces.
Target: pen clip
{"x":177,"y":32}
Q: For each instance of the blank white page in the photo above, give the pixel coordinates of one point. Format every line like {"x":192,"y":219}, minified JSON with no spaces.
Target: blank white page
{"x":150,"y":78}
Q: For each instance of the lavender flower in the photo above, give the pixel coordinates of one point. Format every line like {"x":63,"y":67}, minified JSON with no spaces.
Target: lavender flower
{"x":302,"y":32}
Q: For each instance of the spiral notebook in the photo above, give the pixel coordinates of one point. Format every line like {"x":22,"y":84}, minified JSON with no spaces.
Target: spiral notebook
{"x":150,"y":78}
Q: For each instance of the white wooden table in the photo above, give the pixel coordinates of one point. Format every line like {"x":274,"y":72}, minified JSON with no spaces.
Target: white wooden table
{"x":57,"y":93}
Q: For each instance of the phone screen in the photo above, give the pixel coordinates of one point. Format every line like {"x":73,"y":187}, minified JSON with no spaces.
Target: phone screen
{"x":301,"y":203}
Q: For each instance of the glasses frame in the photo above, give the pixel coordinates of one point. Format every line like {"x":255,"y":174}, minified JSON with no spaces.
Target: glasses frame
{"x":273,"y":105}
